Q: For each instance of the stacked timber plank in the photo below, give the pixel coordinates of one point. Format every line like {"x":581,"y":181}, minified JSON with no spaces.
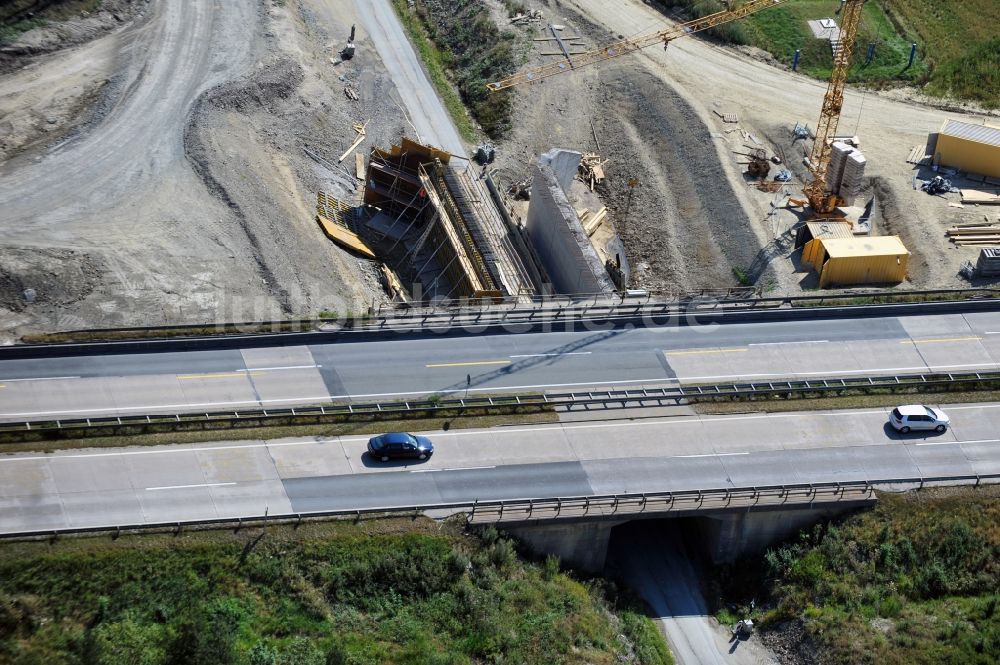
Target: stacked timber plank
{"x":976,"y":196}
{"x":975,"y":234}
{"x":592,"y":221}
{"x":918,"y":155}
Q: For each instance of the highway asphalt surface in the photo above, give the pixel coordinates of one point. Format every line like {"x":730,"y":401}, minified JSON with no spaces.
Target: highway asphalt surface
{"x":91,"y":386}
{"x":104,"y":487}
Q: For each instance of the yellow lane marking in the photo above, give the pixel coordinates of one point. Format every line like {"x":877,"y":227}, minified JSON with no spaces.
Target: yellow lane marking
{"x":213,"y":376}
{"x":3,"y":386}
{"x":686,"y":353}
{"x":946,"y":339}
{"x":479,"y":362}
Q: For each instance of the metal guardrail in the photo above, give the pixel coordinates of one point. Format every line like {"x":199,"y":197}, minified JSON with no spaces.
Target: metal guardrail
{"x":735,"y":295}
{"x":533,"y":309}
{"x":574,"y":507}
{"x":604,"y":399}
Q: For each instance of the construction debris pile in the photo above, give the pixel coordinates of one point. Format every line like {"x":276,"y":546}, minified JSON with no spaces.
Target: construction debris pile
{"x":531,"y":16}
{"x":592,"y":170}
{"x":937,"y":185}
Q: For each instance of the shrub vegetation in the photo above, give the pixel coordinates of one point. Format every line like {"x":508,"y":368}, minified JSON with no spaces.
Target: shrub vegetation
{"x":471,"y":52}
{"x":914,"y":580}
{"x":958,"y":48}
{"x":323,"y":594}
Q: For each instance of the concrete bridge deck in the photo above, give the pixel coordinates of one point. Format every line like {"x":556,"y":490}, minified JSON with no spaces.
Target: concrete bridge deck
{"x":108,"y":487}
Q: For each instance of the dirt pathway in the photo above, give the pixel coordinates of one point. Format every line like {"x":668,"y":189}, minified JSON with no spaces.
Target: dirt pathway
{"x":425,"y":110}
{"x":656,"y":564}
{"x":170,"y":59}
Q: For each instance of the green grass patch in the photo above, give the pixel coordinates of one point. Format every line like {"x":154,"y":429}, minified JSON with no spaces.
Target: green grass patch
{"x":846,"y":402}
{"x":958,"y":51}
{"x":19,"y":16}
{"x":281,"y":432}
{"x":463,"y":50}
{"x":434,"y":63}
{"x":373,"y":592}
{"x":911,"y":581}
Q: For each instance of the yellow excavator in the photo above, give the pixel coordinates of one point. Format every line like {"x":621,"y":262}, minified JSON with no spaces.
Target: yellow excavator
{"x":820,"y":199}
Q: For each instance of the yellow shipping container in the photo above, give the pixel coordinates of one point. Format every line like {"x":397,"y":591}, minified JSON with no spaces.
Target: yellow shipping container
{"x":969,"y":147}
{"x":864,"y":260}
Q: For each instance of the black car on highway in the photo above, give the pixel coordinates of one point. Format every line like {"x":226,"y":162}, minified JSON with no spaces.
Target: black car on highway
{"x":399,"y":445}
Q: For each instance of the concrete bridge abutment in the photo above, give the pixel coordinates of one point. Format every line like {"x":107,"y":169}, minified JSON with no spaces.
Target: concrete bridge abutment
{"x":580,"y":545}
{"x":726,"y":537}
{"x":723,"y":536}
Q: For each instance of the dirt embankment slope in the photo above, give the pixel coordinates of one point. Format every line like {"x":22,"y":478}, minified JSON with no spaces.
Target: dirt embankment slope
{"x":688,"y":226}
{"x":186,"y":196}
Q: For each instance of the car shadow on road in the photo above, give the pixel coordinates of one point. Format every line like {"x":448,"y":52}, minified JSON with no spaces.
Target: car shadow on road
{"x":913,"y":435}
{"x":370,"y":462}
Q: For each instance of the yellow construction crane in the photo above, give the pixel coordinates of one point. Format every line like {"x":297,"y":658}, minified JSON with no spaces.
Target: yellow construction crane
{"x":631,"y":45}
{"x":821,"y":200}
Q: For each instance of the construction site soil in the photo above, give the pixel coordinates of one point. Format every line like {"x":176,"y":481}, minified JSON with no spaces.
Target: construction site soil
{"x":695,"y":221}
{"x":155,"y":169}
{"x":168,"y":179}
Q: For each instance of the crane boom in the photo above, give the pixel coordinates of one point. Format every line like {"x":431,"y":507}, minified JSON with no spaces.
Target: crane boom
{"x":631,"y":45}
{"x":820,"y":200}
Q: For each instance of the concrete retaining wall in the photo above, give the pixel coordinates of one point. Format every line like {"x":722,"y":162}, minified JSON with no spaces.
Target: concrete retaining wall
{"x":555,"y":230}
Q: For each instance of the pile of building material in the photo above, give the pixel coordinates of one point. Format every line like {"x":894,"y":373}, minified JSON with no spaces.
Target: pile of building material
{"x":728,"y":117}
{"x":592,"y":169}
{"x":592,"y":221}
{"x":937,"y":185}
{"x":919,"y":156}
{"x":974,"y":234}
{"x":531,"y":16}
{"x":846,"y":172}
{"x":976,"y":196}
{"x":359,"y":127}
{"x":988,"y":264}
{"x":334,"y":217}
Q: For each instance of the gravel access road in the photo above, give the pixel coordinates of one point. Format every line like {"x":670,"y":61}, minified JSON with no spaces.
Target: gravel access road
{"x":183,"y":48}
{"x":424,"y":109}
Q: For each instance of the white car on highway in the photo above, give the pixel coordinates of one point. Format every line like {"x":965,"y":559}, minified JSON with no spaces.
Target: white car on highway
{"x":918,"y":416}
